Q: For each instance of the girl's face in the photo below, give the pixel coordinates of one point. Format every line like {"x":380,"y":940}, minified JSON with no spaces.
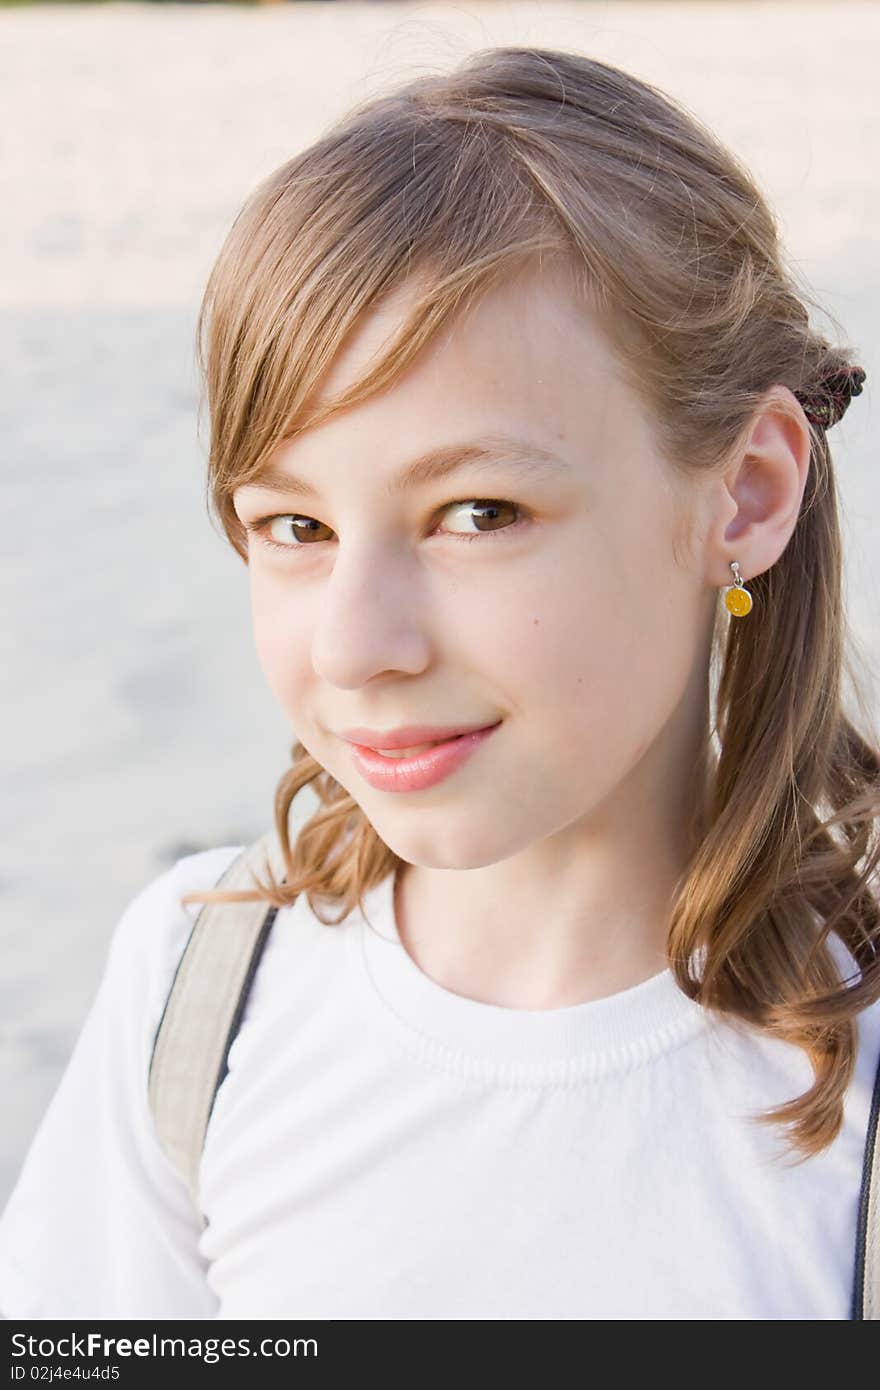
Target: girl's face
{"x":568,"y":613}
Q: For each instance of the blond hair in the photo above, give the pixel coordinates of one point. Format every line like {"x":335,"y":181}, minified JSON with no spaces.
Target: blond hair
{"x":518,"y":156}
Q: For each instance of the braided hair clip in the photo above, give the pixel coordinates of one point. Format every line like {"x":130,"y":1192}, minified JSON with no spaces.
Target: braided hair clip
{"x":826,"y":402}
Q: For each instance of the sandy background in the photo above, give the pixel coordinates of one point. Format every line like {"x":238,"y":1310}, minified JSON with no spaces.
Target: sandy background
{"x":136,"y":725}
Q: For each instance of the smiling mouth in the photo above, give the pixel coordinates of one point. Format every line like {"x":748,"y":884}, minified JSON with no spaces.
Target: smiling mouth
{"x":411,"y":752}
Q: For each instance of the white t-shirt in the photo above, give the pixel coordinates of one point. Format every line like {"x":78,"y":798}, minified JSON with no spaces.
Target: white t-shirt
{"x":382,"y":1148}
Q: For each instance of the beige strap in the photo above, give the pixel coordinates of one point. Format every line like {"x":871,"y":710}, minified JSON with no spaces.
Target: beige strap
{"x":201,"y":1011}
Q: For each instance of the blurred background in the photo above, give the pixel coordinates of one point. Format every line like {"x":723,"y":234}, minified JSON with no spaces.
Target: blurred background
{"x":135,"y":721}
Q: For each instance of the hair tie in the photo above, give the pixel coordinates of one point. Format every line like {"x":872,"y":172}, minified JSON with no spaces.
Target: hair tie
{"x":826,"y":402}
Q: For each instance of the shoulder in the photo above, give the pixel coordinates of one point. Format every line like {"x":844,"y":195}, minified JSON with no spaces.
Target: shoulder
{"x":99,"y":1222}
{"x":156,"y":914}
{"x":150,"y":935}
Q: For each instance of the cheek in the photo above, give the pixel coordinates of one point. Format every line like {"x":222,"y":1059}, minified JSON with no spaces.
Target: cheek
{"x":600,"y":659}
{"x":278,"y":642}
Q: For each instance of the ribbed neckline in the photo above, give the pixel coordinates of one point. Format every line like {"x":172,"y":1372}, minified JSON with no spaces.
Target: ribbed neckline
{"x":538,"y":1047}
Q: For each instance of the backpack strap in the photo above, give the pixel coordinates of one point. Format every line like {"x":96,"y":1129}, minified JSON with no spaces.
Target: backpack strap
{"x":866,"y":1285}
{"x":204,"y":1008}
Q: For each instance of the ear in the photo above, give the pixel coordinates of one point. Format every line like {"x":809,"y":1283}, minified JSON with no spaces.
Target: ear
{"x":758,"y":497}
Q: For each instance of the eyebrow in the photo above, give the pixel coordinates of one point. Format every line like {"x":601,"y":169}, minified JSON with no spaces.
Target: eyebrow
{"x":490,"y":452}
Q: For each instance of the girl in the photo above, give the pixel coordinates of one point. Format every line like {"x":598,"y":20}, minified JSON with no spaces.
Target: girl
{"x":571,"y":1005}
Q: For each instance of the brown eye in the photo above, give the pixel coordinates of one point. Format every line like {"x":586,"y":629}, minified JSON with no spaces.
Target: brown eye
{"x":289,"y":532}
{"x":486,"y":513}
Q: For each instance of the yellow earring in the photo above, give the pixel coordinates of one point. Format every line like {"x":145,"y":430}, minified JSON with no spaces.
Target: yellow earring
{"x":738,"y":599}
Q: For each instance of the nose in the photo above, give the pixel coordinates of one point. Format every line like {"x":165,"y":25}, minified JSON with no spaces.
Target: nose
{"x":371,"y":618}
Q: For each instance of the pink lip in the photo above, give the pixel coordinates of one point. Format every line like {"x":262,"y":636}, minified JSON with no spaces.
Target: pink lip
{"x":422,"y":769}
{"x":408,"y":735}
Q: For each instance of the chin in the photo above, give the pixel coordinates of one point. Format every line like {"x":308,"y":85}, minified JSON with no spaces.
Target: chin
{"x":452,"y":851}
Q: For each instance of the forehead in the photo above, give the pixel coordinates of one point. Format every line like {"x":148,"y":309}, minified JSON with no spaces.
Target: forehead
{"x":519,"y":327}
{"x":523,"y":372}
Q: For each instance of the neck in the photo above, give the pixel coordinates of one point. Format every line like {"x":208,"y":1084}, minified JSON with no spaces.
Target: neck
{"x":579,"y":915}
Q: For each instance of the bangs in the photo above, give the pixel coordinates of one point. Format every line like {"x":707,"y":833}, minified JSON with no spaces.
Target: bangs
{"x":401,"y":196}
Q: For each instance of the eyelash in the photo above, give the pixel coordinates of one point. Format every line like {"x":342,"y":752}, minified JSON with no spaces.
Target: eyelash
{"x":260,"y":526}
